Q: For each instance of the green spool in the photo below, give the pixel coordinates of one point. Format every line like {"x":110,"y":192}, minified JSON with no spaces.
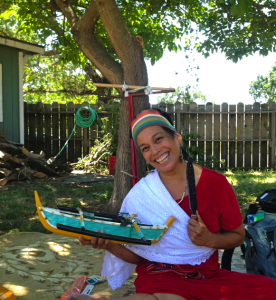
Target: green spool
{"x":84,"y":117}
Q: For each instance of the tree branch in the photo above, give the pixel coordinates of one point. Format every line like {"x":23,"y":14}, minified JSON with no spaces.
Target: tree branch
{"x":84,"y":35}
{"x":51,"y":52}
{"x":129,"y":48}
{"x":89,"y":18}
{"x":93,"y":74}
{"x":54,"y":26}
{"x":68,"y":12}
{"x":263,"y":16}
{"x":115,"y":27}
{"x":4,"y":33}
{"x":96,"y":78}
{"x":263,"y":6}
{"x":78,"y":5}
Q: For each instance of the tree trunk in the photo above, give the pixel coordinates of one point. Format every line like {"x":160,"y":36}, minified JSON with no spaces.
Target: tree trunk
{"x":122,"y":182}
{"x":135,"y":73}
{"x":131,"y":68}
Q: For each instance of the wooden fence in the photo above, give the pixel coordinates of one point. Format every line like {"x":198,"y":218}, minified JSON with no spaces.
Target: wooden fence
{"x":48,"y":126}
{"x":241,"y":135}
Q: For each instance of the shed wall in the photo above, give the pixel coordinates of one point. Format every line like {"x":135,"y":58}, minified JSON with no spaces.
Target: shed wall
{"x":10,"y":84}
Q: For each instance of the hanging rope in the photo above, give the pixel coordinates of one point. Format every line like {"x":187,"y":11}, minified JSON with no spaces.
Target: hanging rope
{"x":134,"y":166}
{"x":84,"y":117}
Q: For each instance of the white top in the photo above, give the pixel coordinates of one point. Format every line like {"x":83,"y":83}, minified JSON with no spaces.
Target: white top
{"x":153,"y":204}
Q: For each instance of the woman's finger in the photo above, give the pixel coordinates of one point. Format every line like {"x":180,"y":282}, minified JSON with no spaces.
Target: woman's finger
{"x":101,"y":241}
{"x":106,"y":243}
{"x":83,"y":241}
{"x":94,"y":241}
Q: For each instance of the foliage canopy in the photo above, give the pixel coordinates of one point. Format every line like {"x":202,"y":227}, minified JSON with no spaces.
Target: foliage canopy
{"x":264,"y":88}
{"x":46,"y":80}
{"x":236,"y":27}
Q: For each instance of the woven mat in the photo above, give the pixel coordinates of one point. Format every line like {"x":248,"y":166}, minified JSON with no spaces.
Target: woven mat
{"x":43,"y":266}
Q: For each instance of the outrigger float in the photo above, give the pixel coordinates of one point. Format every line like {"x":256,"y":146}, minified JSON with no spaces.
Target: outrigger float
{"x":121,"y":229}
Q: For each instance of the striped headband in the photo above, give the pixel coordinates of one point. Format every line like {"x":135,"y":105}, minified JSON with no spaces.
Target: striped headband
{"x":148,"y":118}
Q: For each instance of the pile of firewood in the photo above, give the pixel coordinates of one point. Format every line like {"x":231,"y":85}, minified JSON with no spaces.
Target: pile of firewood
{"x":17,"y":163}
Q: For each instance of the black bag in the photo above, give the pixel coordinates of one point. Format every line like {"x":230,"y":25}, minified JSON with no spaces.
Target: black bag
{"x":260,"y":256}
{"x":267,"y":201}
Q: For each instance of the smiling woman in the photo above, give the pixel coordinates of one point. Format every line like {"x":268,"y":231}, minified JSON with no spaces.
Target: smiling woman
{"x":184,"y":263}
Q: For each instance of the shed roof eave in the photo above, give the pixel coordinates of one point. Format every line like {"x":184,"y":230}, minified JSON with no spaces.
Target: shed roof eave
{"x":26,"y":48}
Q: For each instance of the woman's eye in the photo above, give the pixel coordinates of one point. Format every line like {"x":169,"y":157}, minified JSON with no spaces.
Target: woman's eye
{"x":145,"y":149}
{"x":159,"y":139}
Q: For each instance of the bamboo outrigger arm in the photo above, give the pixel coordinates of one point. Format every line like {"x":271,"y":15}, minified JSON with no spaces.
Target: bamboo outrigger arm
{"x":134,"y":88}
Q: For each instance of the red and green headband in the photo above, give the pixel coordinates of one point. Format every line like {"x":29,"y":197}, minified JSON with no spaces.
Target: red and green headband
{"x":148,"y":118}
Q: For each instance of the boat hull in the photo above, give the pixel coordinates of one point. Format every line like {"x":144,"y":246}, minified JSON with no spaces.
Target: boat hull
{"x":70,"y":224}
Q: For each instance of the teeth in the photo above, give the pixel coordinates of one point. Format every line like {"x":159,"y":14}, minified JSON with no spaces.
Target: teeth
{"x":162,"y":158}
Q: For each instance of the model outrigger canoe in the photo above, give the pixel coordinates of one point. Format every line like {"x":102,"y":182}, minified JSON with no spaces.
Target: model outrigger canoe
{"x":121,"y":229}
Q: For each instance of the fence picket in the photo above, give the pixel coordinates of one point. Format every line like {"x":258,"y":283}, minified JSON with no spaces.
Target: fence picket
{"x":55,"y":128}
{"x":40,"y":135}
{"x":47,"y":129}
{"x":193,"y":123}
{"x":32,"y":126}
{"x":264,"y":128}
{"x":63,"y":132}
{"x":186,"y":120}
{"x":26,"y":125}
{"x":178,"y":118}
{"x":85,"y":141}
{"x":70,"y":126}
{"x":224,"y":134}
{"x":272,"y":135}
{"x":94,"y":128}
{"x":217,"y":132}
{"x":248,"y":135}
{"x":240,"y":125}
{"x":209,"y":129}
{"x":232,"y":136}
{"x":201,"y":129}
{"x":256,"y":135}
{"x":78,"y":138}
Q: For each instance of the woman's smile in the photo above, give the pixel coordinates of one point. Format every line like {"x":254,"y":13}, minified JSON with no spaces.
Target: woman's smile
{"x":163,"y":158}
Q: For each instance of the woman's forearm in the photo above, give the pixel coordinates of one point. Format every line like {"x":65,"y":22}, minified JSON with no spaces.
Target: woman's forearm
{"x":225,"y":240}
{"x":124,"y":254}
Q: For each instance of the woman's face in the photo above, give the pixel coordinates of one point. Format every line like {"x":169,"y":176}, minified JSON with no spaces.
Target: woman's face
{"x":159,"y":149}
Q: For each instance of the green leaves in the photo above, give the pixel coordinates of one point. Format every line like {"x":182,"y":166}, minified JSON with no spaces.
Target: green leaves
{"x":264,"y":88}
{"x":46,"y":80}
{"x":240,"y":9}
{"x":239,"y":28}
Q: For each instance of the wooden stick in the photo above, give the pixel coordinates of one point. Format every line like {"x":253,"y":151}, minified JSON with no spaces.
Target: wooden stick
{"x":132,"y":87}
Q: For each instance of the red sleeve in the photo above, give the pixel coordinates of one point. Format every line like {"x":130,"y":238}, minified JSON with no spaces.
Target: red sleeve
{"x":231,"y":216}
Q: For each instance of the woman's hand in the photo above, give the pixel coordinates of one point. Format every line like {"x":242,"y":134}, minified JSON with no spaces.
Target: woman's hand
{"x":116,"y":249}
{"x":198,"y":233}
{"x":96,"y":243}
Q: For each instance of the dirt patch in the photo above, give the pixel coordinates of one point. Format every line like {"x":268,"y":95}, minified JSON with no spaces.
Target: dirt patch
{"x":75,"y":178}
